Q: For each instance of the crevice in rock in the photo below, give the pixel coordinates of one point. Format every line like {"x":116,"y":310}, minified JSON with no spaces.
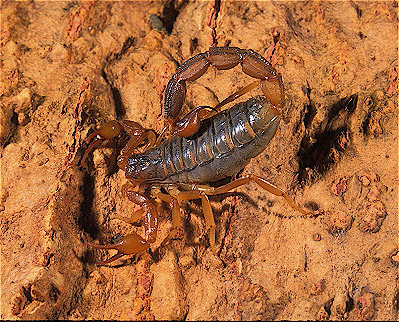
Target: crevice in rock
{"x":170,"y":12}
{"x":320,"y":150}
{"x":116,"y":95}
{"x":310,"y":109}
{"x":119,"y":108}
{"x":87,"y":220}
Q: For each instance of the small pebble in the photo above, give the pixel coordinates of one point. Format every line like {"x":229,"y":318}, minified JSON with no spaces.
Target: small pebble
{"x":316,"y":237}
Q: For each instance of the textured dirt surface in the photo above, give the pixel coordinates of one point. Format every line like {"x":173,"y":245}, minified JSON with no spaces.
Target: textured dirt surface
{"x":68,"y":67}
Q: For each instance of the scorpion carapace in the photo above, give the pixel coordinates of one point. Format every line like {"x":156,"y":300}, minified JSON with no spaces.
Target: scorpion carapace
{"x":205,"y":146}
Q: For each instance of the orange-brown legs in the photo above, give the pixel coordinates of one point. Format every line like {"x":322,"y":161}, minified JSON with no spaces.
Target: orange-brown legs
{"x":208,"y":213}
{"x":238,"y":94}
{"x":203,"y":191}
{"x":175,"y":202}
{"x":176,"y":218}
{"x":134,"y":244}
{"x":263,"y":184}
{"x":150,"y":214}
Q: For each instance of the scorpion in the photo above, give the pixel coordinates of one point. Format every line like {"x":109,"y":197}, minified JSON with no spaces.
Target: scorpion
{"x":204,"y":146}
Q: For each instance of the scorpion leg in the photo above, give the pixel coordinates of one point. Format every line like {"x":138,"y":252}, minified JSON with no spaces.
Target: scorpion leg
{"x":150,"y":215}
{"x":208,"y":213}
{"x":176,"y":218}
{"x":263,"y":184}
{"x":203,"y":191}
{"x":237,"y":94}
{"x":134,"y":244}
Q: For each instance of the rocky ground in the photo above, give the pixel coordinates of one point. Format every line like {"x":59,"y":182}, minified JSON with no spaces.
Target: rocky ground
{"x":68,"y":67}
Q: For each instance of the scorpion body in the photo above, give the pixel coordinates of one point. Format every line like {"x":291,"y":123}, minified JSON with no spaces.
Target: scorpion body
{"x":224,"y":145}
{"x":204,"y":146}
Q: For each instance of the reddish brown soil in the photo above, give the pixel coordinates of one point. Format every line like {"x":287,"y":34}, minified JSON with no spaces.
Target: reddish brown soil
{"x":68,"y":67}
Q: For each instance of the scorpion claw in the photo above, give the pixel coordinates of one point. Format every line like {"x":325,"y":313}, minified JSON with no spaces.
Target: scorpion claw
{"x":90,"y":148}
{"x":131,"y":244}
{"x":109,"y":130}
{"x":114,"y":128}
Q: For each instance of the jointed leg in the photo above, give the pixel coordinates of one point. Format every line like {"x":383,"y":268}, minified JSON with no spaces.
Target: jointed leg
{"x":203,"y":191}
{"x":176,"y":218}
{"x":263,"y":184}
{"x":150,"y":211}
{"x":175,"y":202}
{"x":238,"y":94}
{"x":208,"y":213}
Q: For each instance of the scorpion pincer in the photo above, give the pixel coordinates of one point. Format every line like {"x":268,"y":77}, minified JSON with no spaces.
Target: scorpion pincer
{"x":204,"y":146}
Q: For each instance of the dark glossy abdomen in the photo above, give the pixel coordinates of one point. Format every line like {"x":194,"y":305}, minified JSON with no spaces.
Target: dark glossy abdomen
{"x":224,"y":145}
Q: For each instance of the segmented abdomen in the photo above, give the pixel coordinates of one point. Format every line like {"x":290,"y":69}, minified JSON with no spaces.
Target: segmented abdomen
{"x":224,"y":145}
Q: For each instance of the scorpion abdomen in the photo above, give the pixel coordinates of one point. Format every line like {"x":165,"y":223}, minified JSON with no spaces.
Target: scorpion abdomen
{"x":223,"y":146}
